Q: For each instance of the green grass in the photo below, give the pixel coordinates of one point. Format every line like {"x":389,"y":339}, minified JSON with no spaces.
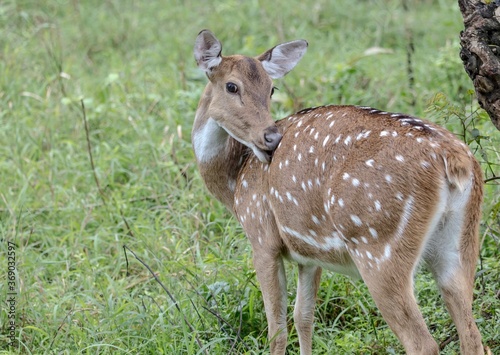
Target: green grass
{"x":131,"y":63}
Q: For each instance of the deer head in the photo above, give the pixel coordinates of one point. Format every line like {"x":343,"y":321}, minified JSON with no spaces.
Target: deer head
{"x":240,"y":90}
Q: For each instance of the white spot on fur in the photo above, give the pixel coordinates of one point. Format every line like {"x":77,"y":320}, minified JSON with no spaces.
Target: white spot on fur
{"x":387,"y":251}
{"x":363,"y":135}
{"x":310,"y":183}
{"x":356,"y":220}
{"x":405,"y":217}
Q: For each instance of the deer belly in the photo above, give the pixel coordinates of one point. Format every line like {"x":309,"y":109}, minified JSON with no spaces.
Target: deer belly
{"x":341,"y":264}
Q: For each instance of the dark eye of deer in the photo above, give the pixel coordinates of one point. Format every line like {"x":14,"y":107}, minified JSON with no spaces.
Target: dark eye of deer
{"x":232,"y":88}
{"x":272,"y":90}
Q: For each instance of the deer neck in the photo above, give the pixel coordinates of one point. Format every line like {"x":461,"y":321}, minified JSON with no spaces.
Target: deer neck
{"x":220,"y":157}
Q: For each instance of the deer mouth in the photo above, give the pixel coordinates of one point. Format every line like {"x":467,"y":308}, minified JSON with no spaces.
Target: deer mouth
{"x":268,"y":154}
{"x":264,"y":156}
{"x":263,"y":149}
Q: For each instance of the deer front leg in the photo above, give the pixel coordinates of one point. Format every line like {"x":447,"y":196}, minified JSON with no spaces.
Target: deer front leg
{"x":272,"y":278}
{"x":307,"y":288}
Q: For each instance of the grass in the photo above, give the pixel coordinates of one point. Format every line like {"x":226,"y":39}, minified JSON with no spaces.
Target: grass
{"x":131,"y":64}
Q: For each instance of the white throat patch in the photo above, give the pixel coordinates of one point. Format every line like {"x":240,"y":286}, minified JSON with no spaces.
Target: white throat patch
{"x":209,"y":141}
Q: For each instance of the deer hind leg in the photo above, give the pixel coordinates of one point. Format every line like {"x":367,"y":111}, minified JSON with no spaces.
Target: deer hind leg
{"x":388,"y":275}
{"x":451,"y":255}
{"x":272,"y":278}
{"x":307,"y":288}
{"x":391,"y":287}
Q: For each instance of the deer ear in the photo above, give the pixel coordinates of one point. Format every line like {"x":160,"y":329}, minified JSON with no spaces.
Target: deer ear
{"x":207,"y":51}
{"x":284,"y":57}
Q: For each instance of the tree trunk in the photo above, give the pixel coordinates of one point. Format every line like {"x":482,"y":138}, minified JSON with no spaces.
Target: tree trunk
{"x":480,"y":53}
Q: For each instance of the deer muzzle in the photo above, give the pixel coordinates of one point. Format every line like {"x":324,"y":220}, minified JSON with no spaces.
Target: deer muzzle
{"x":271,"y":140}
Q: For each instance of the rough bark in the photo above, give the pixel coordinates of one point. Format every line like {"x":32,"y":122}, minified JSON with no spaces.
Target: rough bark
{"x":480,"y":53}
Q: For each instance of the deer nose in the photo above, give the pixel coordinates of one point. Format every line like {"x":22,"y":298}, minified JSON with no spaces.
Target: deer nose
{"x":272,"y":138}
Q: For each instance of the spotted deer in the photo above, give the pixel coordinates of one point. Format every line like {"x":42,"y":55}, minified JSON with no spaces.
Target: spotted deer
{"x":356,"y":190}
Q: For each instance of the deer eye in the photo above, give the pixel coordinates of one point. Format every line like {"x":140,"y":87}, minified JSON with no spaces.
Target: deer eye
{"x":272,"y":90}
{"x":232,"y":88}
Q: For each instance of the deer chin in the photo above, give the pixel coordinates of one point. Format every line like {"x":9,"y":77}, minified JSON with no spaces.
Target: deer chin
{"x":264,"y":155}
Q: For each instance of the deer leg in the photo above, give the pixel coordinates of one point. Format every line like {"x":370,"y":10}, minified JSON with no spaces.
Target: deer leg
{"x":307,"y":288}
{"x":453,"y":266}
{"x":457,"y":294}
{"x":272,"y":278}
{"x":392,"y":290}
